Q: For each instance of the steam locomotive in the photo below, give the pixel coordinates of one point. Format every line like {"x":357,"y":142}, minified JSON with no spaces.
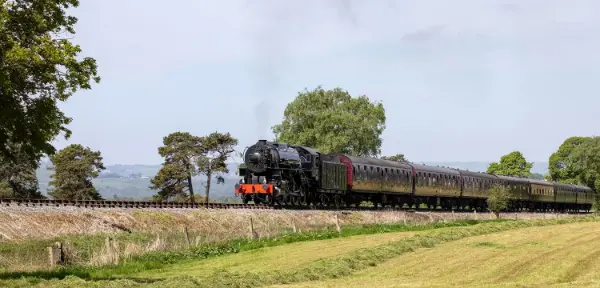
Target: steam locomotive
{"x":290,"y":175}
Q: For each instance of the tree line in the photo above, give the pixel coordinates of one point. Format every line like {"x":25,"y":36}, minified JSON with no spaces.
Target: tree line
{"x":40,"y":67}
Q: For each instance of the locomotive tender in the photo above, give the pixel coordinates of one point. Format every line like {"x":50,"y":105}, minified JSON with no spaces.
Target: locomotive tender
{"x":282,"y":174}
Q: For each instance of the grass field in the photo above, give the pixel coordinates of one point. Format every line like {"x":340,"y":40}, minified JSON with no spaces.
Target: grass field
{"x":532,"y":253}
{"x":556,"y":256}
{"x":280,"y":258}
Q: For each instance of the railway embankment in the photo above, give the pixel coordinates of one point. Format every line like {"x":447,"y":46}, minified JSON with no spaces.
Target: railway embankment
{"x":25,"y":223}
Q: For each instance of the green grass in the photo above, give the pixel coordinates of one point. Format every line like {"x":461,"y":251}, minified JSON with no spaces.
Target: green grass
{"x":296,"y":254}
{"x":369,"y":257}
{"x":160,"y":259}
{"x":488,"y":244}
{"x":33,"y":252}
{"x":553,"y":256}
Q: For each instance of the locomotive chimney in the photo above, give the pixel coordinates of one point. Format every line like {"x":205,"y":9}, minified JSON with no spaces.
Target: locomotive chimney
{"x":262,"y":141}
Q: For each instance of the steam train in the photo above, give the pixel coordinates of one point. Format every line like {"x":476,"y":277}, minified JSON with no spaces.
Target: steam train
{"x":289,"y":175}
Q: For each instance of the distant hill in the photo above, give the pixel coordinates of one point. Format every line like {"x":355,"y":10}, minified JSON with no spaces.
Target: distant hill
{"x":133,"y":181}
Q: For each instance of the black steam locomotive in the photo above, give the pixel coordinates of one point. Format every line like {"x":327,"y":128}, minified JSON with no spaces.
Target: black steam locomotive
{"x":288,"y":175}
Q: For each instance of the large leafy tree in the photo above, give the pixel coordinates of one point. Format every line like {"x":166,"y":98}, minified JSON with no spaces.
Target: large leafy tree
{"x":19,"y":177}
{"x":180,"y":151}
{"x":74,"y":168}
{"x":560,"y":164}
{"x":511,"y":164}
{"x":217,"y":147}
{"x":333,"y":121}
{"x":39,"y":66}
{"x":585,"y":162}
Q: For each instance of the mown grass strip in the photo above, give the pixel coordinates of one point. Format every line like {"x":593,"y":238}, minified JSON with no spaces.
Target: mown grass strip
{"x":363,"y":258}
{"x":157,"y":260}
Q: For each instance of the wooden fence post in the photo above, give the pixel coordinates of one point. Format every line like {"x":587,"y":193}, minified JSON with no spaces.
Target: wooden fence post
{"x":55,"y":254}
{"x":253,"y":234}
{"x":294,"y":225}
{"x":187,"y":236}
{"x":111,"y":250}
{"x":337,"y":224}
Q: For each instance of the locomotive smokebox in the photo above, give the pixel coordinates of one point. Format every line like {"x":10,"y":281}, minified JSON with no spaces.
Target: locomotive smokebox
{"x":255,"y":158}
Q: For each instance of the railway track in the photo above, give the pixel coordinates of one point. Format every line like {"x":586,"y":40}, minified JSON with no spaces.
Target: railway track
{"x":176,"y":205}
{"x":124,"y":204}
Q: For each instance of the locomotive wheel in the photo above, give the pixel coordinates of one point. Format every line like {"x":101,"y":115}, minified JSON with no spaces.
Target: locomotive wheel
{"x":293,"y":200}
{"x":337,"y":201}
{"x":323,"y":201}
{"x":285,"y":200}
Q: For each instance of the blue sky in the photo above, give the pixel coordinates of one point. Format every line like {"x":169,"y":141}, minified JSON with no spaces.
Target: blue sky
{"x":460,"y":80}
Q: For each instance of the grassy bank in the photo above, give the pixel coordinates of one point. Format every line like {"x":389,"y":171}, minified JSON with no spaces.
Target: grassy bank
{"x":133,"y":263}
{"x":134,"y":273}
{"x":26,"y":234}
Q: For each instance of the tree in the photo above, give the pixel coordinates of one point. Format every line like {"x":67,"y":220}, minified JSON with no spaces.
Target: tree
{"x":511,"y":164}
{"x":216,"y":149}
{"x":560,"y":166}
{"x":181,"y":151}
{"x":5,"y":190}
{"x":74,"y":168}
{"x":332,"y":121}
{"x":397,"y":158}
{"x":585,"y":163}
{"x":498,"y":199}
{"x":39,"y":66}
{"x":20,"y":176}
